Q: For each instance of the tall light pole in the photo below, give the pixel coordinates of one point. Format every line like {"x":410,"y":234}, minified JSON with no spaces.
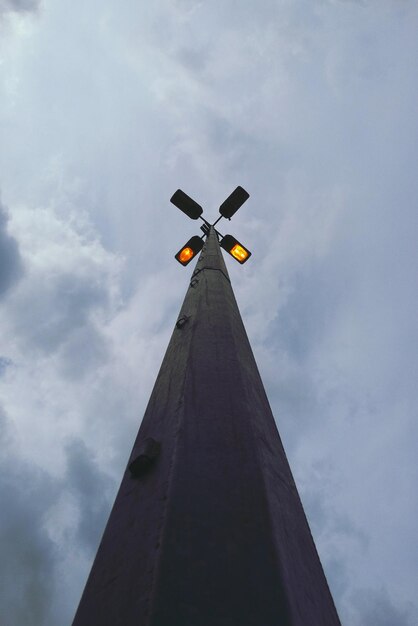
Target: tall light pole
{"x":207,"y":528}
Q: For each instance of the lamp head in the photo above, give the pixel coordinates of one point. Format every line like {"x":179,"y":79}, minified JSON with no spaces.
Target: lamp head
{"x":189,"y":250}
{"x":235,"y":249}
{"x":231,"y":205}
{"x":186,"y":204}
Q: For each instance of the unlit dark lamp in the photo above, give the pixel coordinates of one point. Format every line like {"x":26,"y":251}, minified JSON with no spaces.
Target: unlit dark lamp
{"x":235,"y":249}
{"x":233,"y":202}
{"x":189,"y":250}
{"x":186,"y":204}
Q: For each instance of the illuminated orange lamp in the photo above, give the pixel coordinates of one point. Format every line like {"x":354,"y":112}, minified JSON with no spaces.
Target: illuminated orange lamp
{"x":235,"y":249}
{"x":189,"y":250}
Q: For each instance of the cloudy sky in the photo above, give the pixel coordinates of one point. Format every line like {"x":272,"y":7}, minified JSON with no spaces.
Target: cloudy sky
{"x":106,"y":108}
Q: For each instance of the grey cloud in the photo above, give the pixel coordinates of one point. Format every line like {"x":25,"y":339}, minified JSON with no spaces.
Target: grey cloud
{"x":60,"y":305}
{"x":375,"y":607}
{"x":11,"y":266}
{"x":338,"y":579}
{"x":84,"y":349}
{"x":322,"y":517}
{"x":193,"y":59}
{"x":5,"y":362}
{"x":315,"y":299}
{"x":32,"y":591}
{"x":90,"y":487}
{"x":28,"y":556}
{"x":18,"y":6}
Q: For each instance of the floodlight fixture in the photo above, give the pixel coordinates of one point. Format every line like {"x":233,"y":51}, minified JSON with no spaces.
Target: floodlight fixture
{"x":227,"y":209}
{"x":235,"y":249}
{"x":231,"y":205}
{"x":186,"y":204}
{"x":189,"y":250}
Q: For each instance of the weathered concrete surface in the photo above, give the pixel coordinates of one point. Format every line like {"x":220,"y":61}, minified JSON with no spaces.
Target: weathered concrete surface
{"x":214,"y":533}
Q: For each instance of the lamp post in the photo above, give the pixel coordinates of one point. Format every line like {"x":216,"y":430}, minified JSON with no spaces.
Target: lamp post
{"x":207,"y":528}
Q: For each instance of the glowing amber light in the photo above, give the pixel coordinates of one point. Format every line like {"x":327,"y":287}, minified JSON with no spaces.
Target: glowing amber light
{"x":189,"y":250}
{"x":235,"y":249}
{"x":185,"y":255}
{"x":239,"y":253}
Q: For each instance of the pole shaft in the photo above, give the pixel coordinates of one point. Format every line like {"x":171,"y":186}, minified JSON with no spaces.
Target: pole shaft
{"x":214,"y":534}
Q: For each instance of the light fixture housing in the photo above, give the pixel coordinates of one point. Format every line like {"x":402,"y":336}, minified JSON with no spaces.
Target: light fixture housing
{"x":231,"y":205}
{"x":189,"y":250}
{"x":235,"y":249}
{"x":186,"y":204}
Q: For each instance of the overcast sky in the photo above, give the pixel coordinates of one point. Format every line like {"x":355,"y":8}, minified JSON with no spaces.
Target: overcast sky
{"x":106,"y":108}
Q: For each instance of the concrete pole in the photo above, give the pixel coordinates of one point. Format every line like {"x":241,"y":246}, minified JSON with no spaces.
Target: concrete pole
{"x":207,"y":528}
